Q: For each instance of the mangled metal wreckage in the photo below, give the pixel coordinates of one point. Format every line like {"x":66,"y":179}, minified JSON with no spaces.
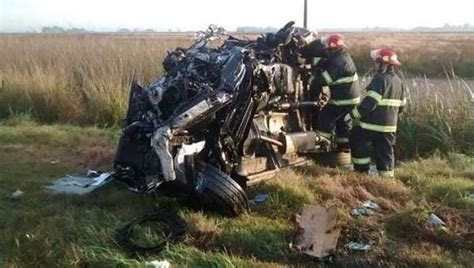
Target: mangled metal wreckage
{"x":222,"y":118}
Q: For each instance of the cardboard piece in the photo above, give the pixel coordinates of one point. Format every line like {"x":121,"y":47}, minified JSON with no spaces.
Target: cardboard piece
{"x":316,"y":235}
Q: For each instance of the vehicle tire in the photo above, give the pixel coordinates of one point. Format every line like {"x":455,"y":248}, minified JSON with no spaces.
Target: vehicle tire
{"x":333,"y":159}
{"x":218,"y":191}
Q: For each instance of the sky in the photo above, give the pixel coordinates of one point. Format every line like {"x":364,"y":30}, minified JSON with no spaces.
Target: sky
{"x":162,"y":15}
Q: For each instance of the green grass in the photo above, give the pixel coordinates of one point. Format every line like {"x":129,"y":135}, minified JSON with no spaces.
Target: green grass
{"x":43,"y":230}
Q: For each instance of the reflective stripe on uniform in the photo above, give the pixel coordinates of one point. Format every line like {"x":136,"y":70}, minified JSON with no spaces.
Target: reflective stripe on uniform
{"x":375,"y":95}
{"x":348,"y":79}
{"x":361,"y":161}
{"x":387,"y":173}
{"x":392,"y":102}
{"x":355,"y":113}
{"x":345,"y":102}
{"x":378,"y":128}
{"x":316,"y":61}
{"x":324,"y":134}
{"x":342,"y":140}
{"x":327,"y":77}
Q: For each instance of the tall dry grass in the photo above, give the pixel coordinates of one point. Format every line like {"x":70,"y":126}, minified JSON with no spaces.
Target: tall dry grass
{"x":76,"y":79}
{"x":437,"y":119}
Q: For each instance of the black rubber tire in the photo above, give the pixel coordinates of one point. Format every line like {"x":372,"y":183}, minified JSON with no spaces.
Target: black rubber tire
{"x":333,"y":159}
{"x":219,"y":192}
{"x":176,"y":228}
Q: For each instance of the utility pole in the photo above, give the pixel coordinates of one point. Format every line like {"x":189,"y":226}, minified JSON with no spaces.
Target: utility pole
{"x":305,"y":23}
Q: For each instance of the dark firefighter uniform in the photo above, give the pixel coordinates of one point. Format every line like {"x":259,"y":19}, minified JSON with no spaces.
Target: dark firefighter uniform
{"x":339,"y":73}
{"x":377,"y":118}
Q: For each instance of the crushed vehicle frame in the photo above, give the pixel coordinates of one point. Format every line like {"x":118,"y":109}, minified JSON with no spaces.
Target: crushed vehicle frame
{"x":221,"y":119}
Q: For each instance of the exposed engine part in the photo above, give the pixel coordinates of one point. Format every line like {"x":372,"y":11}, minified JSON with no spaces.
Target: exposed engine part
{"x":271,"y":141}
{"x":298,"y":142}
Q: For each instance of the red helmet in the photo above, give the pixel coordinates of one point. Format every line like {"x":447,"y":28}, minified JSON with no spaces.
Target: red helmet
{"x":333,"y":41}
{"x":385,"y":55}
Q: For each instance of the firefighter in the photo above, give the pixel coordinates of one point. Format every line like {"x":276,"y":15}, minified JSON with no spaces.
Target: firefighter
{"x":337,"y":72}
{"x":376,"y":117}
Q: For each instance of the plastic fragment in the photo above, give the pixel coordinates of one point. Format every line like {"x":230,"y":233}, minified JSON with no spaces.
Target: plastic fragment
{"x":260,"y":198}
{"x":16,"y":194}
{"x":361,"y":212}
{"x":367,"y":208}
{"x":159,"y":264}
{"x":434,"y":221}
{"x":358,"y":246}
{"x":370,"y":205}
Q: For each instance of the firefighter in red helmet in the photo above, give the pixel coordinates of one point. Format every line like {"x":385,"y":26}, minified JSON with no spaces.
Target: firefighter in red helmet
{"x":337,"y":72}
{"x":377,"y":115}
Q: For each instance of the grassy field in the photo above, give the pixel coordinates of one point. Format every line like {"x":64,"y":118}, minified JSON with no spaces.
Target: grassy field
{"x":65,"y":82}
{"x":43,"y":230}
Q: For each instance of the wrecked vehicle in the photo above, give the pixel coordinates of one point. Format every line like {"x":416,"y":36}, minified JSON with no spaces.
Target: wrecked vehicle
{"x":221,"y":119}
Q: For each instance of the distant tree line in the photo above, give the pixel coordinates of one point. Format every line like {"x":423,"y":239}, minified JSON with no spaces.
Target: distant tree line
{"x":253,"y":29}
{"x":74,"y":30}
{"x":61,"y":30}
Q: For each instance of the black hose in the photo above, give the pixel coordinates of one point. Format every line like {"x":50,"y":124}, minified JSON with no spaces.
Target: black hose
{"x":174,"y":230}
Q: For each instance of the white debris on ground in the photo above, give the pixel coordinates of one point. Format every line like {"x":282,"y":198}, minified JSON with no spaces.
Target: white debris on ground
{"x":16,"y":194}
{"x":158,"y":264}
{"x":435,"y":222}
{"x":358,"y":246}
{"x":80,"y":184}
{"x":367,"y":208}
{"x":260,"y":198}
{"x":370,"y":205}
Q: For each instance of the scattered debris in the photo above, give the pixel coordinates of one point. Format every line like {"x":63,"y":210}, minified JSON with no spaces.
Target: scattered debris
{"x":260,"y":198}
{"x":93,"y":173}
{"x":367,"y":208}
{"x":80,"y":185}
{"x":358,"y":246}
{"x":158,"y":264}
{"x":316,"y":232}
{"x":16,"y":194}
{"x":361,"y":212}
{"x":370,"y":205}
{"x":434,"y":221}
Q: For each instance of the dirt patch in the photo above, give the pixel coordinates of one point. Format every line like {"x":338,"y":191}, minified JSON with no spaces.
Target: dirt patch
{"x":95,"y":156}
